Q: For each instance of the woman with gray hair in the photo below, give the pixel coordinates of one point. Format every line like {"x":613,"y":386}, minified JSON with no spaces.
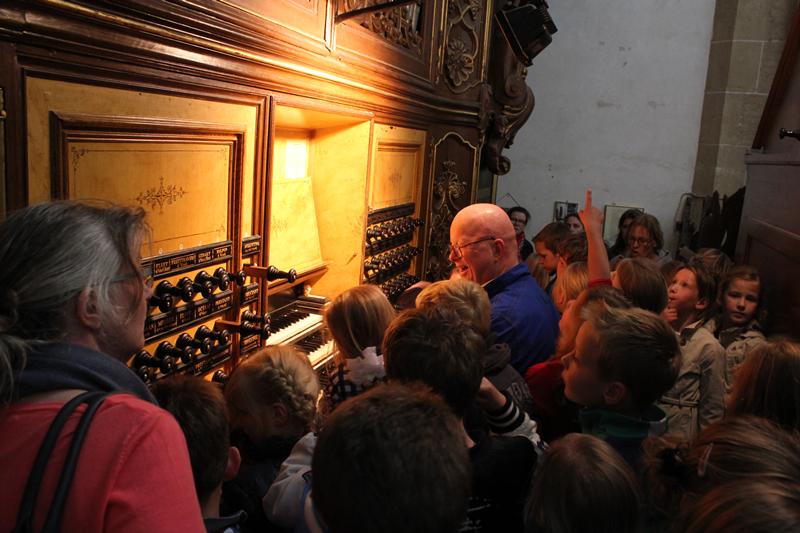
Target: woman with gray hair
{"x":73,"y":301}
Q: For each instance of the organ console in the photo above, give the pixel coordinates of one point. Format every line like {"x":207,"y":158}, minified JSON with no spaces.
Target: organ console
{"x":338,"y":151}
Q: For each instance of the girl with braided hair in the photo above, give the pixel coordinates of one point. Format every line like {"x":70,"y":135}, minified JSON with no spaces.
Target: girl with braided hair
{"x":271,"y":399}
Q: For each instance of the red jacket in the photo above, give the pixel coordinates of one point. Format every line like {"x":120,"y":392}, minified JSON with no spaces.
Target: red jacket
{"x":133,"y":473}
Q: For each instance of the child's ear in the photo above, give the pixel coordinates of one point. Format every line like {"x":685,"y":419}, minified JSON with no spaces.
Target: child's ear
{"x":614,"y":393}
{"x":281,"y":413}
{"x":233,"y":464}
{"x":701,"y":304}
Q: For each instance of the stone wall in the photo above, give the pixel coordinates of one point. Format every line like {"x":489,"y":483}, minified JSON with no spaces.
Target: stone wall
{"x":746,"y":44}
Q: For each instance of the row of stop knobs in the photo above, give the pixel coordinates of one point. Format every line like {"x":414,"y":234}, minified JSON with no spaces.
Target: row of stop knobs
{"x":167,"y":355}
{"x":165,"y":293}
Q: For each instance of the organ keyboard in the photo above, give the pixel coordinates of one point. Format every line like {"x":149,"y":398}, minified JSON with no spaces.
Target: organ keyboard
{"x":299,"y":323}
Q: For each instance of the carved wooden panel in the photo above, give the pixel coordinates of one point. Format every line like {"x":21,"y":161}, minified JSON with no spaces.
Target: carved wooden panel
{"x":183,"y":123}
{"x":462,"y":53}
{"x":399,"y":40}
{"x":398,"y":155}
{"x":154,"y":164}
{"x":454,"y":163}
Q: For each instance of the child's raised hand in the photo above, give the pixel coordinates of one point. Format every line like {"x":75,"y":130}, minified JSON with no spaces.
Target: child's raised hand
{"x":591,"y":216}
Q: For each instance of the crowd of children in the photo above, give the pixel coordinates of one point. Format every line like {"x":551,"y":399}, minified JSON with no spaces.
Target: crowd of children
{"x":663,"y":407}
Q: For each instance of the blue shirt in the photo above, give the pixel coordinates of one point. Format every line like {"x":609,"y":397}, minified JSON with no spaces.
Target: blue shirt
{"x":523,"y":317}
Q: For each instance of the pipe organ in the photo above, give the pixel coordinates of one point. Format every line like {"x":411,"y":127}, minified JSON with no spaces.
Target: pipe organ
{"x":284,"y":150}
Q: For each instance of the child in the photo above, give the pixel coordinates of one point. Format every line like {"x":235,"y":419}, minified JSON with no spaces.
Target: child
{"x":471,"y":303}
{"x":767,"y":384}
{"x":731,"y":451}
{"x":546,"y":244}
{"x":624,"y":360}
{"x":435,"y":347}
{"x":271,"y":399}
{"x":556,"y":414}
{"x":641,"y":281}
{"x":715,"y":261}
{"x":199,"y":408}
{"x":745,"y":506}
{"x":572,"y":250}
{"x":570,"y":282}
{"x":391,"y":460}
{"x":573,"y":221}
{"x":582,"y":484}
{"x":737,"y":325}
{"x":357,"y":320}
{"x":697,"y":399}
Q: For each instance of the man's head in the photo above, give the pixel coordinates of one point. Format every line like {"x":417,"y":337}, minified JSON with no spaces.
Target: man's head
{"x":546,"y":243}
{"x":519,"y":218}
{"x":435,"y":346}
{"x":482,"y":243}
{"x":392,"y":459}
{"x":199,"y":408}
{"x":624,"y":359}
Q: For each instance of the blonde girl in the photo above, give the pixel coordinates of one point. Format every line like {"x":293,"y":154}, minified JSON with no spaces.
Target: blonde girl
{"x":356,"y":320}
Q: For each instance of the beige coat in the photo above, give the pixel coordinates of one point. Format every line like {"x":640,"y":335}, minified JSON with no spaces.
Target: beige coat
{"x":698,"y":397}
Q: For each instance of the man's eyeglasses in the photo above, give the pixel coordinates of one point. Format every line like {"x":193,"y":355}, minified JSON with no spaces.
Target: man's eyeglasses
{"x":639,"y":241}
{"x":455,"y":250}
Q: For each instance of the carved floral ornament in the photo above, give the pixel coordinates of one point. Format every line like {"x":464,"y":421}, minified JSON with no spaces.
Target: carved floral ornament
{"x":462,"y":43}
{"x":400,"y":25}
{"x":448,"y":187}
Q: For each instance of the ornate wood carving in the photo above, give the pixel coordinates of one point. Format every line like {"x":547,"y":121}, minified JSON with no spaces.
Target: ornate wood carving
{"x":462,"y":44}
{"x":507,"y":102}
{"x":399,"y":25}
{"x":454,"y":159}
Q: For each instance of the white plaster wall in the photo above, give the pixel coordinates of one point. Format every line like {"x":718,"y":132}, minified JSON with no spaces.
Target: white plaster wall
{"x":619,"y":94}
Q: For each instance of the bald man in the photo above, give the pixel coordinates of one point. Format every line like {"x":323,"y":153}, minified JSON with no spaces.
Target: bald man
{"x":483,"y":247}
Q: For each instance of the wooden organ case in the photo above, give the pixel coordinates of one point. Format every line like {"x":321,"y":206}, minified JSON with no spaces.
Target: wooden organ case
{"x":284,"y":150}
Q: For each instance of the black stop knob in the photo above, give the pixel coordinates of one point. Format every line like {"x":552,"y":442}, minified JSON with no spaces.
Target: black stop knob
{"x":184,"y":290}
{"x":204,"y":284}
{"x":164,"y":302}
{"x":221,"y":278}
{"x":187,"y":341}
{"x":274,"y":273}
{"x":221,"y":337}
{"x":166,"y":349}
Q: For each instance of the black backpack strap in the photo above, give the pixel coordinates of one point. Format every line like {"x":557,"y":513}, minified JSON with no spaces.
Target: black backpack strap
{"x":32,"y":487}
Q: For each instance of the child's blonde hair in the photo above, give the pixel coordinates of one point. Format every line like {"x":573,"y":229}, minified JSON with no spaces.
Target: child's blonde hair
{"x":358,"y":319}
{"x":275,"y":374}
{"x":570,"y":283}
{"x":465,"y":297}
